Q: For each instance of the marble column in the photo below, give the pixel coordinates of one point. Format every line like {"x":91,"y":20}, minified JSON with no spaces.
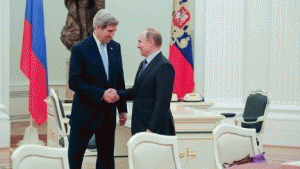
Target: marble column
{"x":4,"y":75}
{"x":219,"y":49}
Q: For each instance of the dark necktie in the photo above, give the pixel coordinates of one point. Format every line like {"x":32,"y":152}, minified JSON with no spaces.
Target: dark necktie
{"x":143,"y":67}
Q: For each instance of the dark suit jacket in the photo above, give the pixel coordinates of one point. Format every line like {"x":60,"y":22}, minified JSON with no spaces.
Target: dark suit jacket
{"x":151,"y":95}
{"x":87,"y":78}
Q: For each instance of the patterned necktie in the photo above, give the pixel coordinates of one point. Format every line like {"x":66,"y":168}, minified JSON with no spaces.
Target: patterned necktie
{"x":143,"y":64}
{"x":104,"y":58}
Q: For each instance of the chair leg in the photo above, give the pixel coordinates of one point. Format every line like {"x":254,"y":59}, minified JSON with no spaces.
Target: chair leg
{"x":260,"y":149}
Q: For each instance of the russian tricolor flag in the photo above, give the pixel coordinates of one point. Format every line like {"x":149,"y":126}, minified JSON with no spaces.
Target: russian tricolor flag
{"x":180,"y":53}
{"x":34,"y":60}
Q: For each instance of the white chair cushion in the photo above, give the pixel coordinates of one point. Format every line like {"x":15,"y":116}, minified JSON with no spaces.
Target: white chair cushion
{"x":154,"y":156}
{"x":153,"y":151}
{"x":33,"y":156}
{"x":32,"y":162}
{"x":236,"y":146}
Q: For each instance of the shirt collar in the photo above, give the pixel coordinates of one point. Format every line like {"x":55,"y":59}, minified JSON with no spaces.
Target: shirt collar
{"x":151,"y":57}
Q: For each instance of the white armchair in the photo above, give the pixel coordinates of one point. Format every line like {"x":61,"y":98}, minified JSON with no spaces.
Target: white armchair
{"x":233,"y":143}
{"x":255,"y":114}
{"x":32,"y":156}
{"x":55,"y":109}
{"x":152,"y":151}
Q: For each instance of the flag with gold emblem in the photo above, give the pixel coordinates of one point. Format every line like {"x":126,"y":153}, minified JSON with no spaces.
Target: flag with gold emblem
{"x":180,"y":53}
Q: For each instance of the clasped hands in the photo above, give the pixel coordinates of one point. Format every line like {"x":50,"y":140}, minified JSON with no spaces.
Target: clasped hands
{"x":110,"y":96}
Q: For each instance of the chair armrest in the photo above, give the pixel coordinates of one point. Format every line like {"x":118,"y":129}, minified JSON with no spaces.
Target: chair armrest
{"x":65,"y":120}
{"x":67,"y":125}
{"x":241,"y":120}
{"x":259,"y":119}
{"x":238,"y":121}
{"x":238,"y":115}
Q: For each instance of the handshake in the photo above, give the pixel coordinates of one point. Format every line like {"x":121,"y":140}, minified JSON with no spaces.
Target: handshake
{"x":110,"y":96}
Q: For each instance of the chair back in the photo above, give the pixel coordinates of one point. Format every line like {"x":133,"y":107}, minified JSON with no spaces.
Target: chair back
{"x":56,"y":110}
{"x":256,"y":105}
{"x":232,"y":143}
{"x":32,"y":156}
{"x":152,"y":151}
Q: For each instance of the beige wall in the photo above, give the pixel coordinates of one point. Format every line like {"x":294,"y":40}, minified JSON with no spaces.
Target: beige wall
{"x":134,"y":15}
{"x":55,"y":15}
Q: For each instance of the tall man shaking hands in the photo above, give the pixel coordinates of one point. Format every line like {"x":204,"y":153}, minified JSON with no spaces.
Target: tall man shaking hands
{"x":152,"y":89}
{"x":95,"y":66}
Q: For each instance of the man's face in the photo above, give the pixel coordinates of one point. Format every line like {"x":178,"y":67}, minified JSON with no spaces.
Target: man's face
{"x":106,"y":34}
{"x":144,"y":45}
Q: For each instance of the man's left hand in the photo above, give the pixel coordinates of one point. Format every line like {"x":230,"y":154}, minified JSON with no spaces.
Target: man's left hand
{"x":122,"y":118}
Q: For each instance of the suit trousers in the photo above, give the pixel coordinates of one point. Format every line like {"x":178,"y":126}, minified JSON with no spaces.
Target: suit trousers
{"x":105,"y":140}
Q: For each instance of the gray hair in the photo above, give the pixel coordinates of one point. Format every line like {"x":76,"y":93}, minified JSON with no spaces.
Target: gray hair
{"x":155,"y":35}
{"x":104,"y":18}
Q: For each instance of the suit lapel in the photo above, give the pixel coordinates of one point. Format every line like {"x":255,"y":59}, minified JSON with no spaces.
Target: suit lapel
{"x":138,"y":72}
{"x":94,"y":49}
{"x":111,"y":59}
{"x":142,"y":77}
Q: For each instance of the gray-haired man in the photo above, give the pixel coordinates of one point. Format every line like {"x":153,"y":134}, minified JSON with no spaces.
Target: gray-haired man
{"x":96,"y":66}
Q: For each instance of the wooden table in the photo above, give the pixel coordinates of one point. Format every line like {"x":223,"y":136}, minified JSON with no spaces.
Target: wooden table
{"x":265,"y":165}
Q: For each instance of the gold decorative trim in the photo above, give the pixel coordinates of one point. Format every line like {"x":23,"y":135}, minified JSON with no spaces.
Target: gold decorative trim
{"x":188,"y":154}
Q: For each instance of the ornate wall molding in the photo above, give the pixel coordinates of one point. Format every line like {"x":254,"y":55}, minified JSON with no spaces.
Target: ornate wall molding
{"x":248,"y":45}
{"x":224,"y":50}
{"x":19,"y":100}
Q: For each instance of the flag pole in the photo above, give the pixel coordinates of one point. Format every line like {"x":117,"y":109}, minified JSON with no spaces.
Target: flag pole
{"x":31,"y":136}
{"x":33,"y":64}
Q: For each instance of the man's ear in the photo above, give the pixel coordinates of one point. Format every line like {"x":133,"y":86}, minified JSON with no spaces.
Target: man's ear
{"x":151,"y":41}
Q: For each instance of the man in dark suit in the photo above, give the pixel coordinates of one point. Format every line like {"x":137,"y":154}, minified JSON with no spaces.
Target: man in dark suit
{"x":152,"y":90}
{"x":95,"y":66}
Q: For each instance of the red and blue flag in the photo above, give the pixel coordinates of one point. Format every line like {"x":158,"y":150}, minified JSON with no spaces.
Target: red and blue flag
{"x":180,"y":53}
{"x":34,"y":60}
